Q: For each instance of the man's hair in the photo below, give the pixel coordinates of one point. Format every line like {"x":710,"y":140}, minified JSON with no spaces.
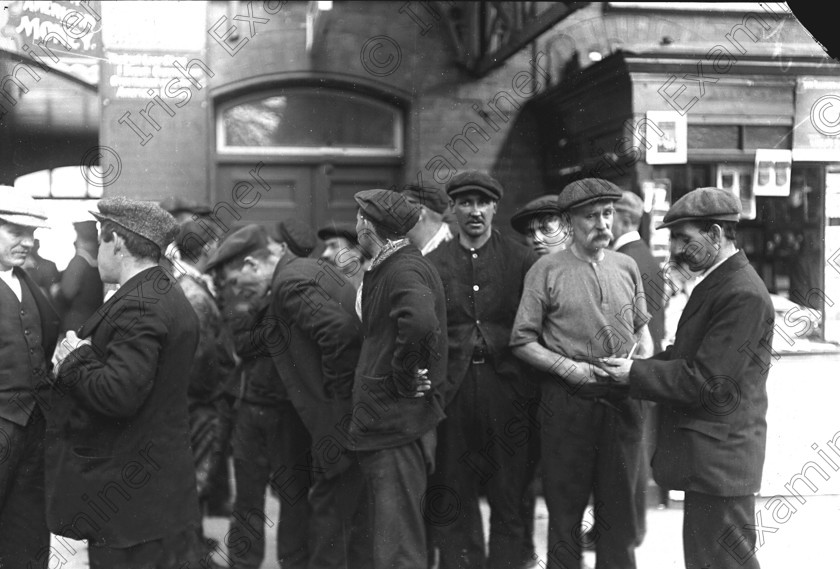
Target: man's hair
{"x":730,"y":230}
{"x":634,"y":219}
{"x":137,"y":245}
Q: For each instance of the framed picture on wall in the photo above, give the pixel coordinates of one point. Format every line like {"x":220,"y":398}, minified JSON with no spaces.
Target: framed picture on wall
{"x":667,"y":133}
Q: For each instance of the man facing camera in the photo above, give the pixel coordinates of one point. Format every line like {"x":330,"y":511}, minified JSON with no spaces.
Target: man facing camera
{"x":120,"y":471}
{"x":579,"y":305}
{"x":711,"y":385}
{"x":28,"y":331}
{"x":396,"y":398}
{"x":544,"y":226}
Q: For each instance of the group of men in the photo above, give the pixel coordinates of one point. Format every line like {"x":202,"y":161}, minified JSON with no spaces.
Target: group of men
{"x":383,"y":388}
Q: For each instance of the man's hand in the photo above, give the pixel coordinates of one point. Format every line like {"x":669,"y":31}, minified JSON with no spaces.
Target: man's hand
{"x":422,"y":383}
{"x":70,"y":343}
{"x":617,"y":369}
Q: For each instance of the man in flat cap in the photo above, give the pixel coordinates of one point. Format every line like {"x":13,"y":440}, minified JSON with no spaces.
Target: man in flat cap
{"x":120,"y":472}
{"x":28,"y":331}
{"x":711,"y":385}
{"x":626,"y":239}
{"x":342,"y":250}
{"x":305,"y":322}
{"x":488,"y":390}
{"x":544,"y":226}
{"x":579,"y":305}
{"x":430,"y":230}
{"x":396,"y":394}
{"x":296,"y":234}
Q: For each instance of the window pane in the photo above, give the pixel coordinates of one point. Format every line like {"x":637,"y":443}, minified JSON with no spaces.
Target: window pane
{"x":767,"y":137}
{"x":311,"y":118}
{"x":712,"y":136}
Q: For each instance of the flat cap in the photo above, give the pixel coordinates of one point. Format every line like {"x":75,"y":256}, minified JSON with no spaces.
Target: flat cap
{"x":297,"y":235}
{"x":543,"y":205}
{"x":339,"y":229}
{"x":712,"y":204}
{"x":630,"y":203}
{"x":389,"y":209}
{"x":177,"y":204}
{"x":146,"y":219}
{"x":475,"y":181}
{"x":237,"y":245}
{"x":586,"y":191}
{"x":432,"y":198}
{"x":86,"y":230}
{"x":18,"y":207}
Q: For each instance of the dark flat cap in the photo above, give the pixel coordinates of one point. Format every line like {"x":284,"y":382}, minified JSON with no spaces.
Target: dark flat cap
{"x":146,"y":219}
{"x":177,"y":204}
{"x":86,"y":230}
{"x":389,"y":209}
{"x":713,"y":204}
{"x":339,"y":229}
{"x":586,"y":191}
{"x":432,"y":198}
{"x":630,"y":203}
{"x":237,"y":245}
{"x":543,"y":205}
{"x":297,"y":235}
{"x":475,"y":181}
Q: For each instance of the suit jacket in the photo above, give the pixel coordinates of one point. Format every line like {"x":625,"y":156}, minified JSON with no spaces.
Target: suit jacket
{"x":119,"y":467}
{"x":313,"y":334}
{"x":712,"y":386}
{"x":50,"y":321}
{"x":654,"y":287}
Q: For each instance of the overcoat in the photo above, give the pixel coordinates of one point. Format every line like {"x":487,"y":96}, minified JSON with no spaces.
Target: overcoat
{"x":119,"y":470}
{"x":712,"y":386}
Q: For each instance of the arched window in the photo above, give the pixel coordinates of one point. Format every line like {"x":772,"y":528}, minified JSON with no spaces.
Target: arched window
{"x":306,"y":121}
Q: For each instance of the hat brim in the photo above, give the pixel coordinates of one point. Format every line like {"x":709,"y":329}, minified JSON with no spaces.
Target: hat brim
{"x":522,"y":220}
{"x":728,"y":217}
{"x":24,"y":220}
{"x":590,"y":200}
{"x":475,"y":189}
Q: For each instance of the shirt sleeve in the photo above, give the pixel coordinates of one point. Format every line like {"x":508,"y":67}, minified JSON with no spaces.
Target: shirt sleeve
{"x":533,"y":306}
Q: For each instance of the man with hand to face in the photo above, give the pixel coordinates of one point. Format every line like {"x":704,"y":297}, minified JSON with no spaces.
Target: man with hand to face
{"x":580,"y":305}
{"x":711,"y":385}
{"x":28,"y":331}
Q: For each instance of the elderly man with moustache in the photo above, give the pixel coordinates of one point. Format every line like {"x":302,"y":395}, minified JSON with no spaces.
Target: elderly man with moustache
{"x":581,"y":304}
{"x":28,"y":332}
{"x":711,"y":385}
{"x":120,"y":472}
{"x":484,"y":441}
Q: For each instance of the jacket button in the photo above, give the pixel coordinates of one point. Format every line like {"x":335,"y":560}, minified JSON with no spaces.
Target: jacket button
{"x":22,"y":312}
{"x":475,"y":288}
{"x":26,"y":332}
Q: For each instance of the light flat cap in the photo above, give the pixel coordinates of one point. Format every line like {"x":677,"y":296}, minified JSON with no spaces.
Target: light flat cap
{"x":146,"y":219}
{"x":339,"y":229}
{"x":237,"y":245}
{"x":297,"y":235}
{"x":475,"y":181}
{"x":713,"y":204}
{"x":432,"y":198}
{"x":630,"y":203}
{"x":18,"y":207}
{"x":586,"y":191}
{"x":543,"y":205}
{"x":389,"y":209}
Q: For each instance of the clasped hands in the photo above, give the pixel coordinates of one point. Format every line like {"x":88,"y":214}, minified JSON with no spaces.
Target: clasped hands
{"x":70,"y":343}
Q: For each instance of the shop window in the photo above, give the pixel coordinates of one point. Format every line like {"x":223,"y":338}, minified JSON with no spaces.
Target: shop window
{"x":713,"y":136}
{"x":310,"y":121}
{"x":767,"y":137}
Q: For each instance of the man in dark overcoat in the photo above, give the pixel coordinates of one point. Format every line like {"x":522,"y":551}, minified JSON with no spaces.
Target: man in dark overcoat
{"x":28,"y":331}
{"x":711,"y":385}
{"x":120,"y":472}
{"x":310,"y":330}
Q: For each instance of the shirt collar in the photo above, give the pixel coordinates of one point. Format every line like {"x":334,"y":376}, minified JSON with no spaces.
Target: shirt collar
{"x":702,"y":276}
{"x":623,"y":240}
{"x":443,"y":234}
{"x":386,"y":251}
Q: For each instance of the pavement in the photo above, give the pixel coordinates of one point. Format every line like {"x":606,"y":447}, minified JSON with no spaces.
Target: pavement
{"x":803,"y":535}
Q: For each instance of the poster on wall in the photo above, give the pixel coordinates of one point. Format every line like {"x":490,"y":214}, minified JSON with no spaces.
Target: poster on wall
{"x":772,"y":172}
{"x":739,"y":181}
{"x":656,"y":195}
{"x":667,"y":132}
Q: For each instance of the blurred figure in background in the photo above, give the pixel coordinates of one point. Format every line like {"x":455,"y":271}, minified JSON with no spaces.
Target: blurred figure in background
{"x":341,"y":249}
{"x":80,"y":291}
{"x":431,"y":229}
{"x":540,"y":221}
{"x":43,"y":271}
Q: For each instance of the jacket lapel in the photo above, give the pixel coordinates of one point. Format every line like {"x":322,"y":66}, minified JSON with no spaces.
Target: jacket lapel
{"x":698,"y":296}
{"x":91,"y":324}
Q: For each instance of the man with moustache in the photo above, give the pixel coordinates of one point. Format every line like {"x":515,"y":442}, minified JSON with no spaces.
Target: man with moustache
{"x":488,"y":390}
{"x":342,"y":250}
{"x":711,"y":385}
{"x":581,"y":304}
{"x":28,"y":332}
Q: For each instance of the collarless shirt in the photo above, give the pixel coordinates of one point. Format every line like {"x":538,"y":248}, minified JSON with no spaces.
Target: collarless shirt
{"x":10,"y":278}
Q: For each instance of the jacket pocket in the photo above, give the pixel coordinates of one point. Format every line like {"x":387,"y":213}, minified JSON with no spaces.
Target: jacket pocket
{"x":718,"y":431}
